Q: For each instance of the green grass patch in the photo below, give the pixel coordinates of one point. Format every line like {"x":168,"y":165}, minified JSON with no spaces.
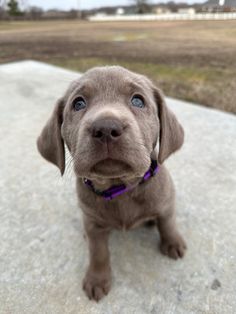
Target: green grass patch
{"x":207,"y":86}
{"x":155,"y":71}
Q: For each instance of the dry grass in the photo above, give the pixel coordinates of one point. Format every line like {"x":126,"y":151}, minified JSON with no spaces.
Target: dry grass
{"x":191,"y":60}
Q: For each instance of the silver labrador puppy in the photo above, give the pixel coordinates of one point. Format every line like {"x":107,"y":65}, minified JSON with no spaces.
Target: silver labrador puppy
{"x":119,"y":132}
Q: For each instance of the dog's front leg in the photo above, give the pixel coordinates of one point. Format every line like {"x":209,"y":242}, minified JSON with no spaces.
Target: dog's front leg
{"x":172,"y":243}
{"x":97,"y":281}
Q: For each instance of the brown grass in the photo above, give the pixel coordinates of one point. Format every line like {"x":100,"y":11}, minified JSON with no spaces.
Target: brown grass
{"x":191,"y":60}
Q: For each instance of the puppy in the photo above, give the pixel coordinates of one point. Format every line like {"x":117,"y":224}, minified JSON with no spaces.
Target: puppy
{"x":119,"y":132}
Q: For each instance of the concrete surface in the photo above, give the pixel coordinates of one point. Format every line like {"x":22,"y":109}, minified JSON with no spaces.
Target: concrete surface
{"x":43,"y":255}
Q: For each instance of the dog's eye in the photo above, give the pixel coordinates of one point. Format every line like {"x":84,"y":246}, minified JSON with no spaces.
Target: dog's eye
{"x":79,"y":103}
{"x":137,"y":101}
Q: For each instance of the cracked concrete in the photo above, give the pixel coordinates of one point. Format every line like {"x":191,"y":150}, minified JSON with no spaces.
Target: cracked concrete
{"x":43,"y":254}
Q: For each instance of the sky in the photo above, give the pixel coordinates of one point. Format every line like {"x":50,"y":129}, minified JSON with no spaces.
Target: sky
{"x":87,"y":4}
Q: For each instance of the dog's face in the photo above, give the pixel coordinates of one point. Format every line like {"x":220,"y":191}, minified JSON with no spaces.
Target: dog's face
{"x":110,"y":124}
{"x":111,"y":120}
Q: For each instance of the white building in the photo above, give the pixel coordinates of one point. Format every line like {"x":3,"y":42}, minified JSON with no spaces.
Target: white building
{"x":189,"y":11}
{"x":120,"y":11}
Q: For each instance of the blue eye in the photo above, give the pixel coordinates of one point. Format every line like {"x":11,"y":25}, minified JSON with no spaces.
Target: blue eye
{"x":79,"y":103}
{"x":137,"y":101}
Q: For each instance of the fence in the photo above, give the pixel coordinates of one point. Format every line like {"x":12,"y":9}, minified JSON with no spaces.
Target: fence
{"x":164,"y":17}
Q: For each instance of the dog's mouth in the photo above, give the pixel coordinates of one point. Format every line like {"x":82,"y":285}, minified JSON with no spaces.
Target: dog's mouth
{"x":111,"y":168}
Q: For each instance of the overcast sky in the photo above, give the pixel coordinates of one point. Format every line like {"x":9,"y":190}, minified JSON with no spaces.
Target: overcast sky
{"x":87,"y":4}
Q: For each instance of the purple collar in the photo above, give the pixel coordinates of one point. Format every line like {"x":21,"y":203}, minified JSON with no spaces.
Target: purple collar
{"x":117,"y":190}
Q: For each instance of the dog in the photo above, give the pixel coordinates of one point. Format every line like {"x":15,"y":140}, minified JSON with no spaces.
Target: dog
{"x":119,"y":131}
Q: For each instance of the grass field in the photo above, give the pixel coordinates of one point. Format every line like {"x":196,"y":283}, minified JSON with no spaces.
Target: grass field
{"x":190,"y":60}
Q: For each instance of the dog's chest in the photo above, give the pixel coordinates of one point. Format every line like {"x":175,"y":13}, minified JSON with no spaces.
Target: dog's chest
{"x":125,"y":215}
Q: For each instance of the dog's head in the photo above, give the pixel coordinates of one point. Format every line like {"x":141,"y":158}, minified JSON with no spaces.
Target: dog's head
{"x":111,"y":120}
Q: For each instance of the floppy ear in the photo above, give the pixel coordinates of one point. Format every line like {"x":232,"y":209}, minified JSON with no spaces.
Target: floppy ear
{"x":50,"y":143}
{"x":171,"y":132}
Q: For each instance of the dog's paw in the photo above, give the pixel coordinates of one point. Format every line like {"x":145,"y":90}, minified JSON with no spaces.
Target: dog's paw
{"x":173,"y":247}
{"x":96,"y":285}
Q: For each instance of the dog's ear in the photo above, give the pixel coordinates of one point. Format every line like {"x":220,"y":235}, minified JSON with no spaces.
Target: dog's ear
{"x":171,"y":132}
{"x":50,"y":142}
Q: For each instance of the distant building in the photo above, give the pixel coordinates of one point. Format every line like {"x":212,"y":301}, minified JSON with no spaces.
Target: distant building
{"x":186,"y":11}
{"x":219,"y":6}
{"x":100,"y":14}
{"x":161,"y":10}
{"x":120,"y":11}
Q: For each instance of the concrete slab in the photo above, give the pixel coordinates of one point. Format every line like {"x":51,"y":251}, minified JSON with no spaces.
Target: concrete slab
{"x":43,"y":255}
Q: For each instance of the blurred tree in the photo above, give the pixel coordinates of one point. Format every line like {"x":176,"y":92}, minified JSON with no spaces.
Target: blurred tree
{"x":142,"y":6}
{"x":2,"y":11}
{"x":173,"y":6}
{"x":73,"y":14}
{"x":13,"y":8}
{"x":35,"y":12}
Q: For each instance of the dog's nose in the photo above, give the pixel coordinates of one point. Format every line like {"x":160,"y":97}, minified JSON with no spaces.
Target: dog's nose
{"x":108,"y":129}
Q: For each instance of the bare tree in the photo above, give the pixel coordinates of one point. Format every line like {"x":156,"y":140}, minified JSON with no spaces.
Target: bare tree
{"x":2,"y":9}
{"x":23,"y":4}
{"x":34,"y":12}
{"x":142,"y":6}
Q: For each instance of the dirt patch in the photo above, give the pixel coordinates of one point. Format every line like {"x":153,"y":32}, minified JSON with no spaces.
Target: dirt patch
{"x":191,"y":60}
